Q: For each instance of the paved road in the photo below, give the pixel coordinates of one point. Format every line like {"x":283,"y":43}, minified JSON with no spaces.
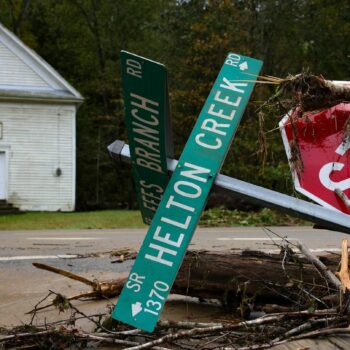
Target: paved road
{"x":22,"y":245}
{"x":21,"y":285}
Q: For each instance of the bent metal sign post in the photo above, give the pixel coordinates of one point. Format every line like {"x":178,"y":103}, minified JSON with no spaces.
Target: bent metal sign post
{"x":160,"y":257}
{"x":147,"y":119}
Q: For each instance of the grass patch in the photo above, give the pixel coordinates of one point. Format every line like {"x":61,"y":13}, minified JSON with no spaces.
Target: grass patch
{"x":264,"y":217}
{"x":109,"y":219}
{"x":78,"y":220}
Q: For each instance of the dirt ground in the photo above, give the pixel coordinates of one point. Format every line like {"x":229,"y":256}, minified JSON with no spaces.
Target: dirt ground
{"x":18,"y":299}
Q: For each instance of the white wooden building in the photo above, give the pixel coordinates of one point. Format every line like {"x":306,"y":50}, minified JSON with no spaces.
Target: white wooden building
{"x":37,"y":130}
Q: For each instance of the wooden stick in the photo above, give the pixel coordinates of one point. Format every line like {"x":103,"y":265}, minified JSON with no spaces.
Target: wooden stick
{"x":343,"y":274}
{"x":317,"y":333}
{"x":74,"y":297}
{"x":112,"y":340}
{"x":197,"y":331}
{"x":65,"y":273}
{"x":331,"y":278}
{"x":25,"y":335}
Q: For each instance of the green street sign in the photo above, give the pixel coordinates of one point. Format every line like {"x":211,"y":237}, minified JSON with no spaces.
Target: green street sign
{"x":152,"y":276}
{"x":147,"y":120}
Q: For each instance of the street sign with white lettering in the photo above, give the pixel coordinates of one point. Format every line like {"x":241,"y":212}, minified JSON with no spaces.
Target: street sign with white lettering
{"x":152,"y":276}
{"x":147,"y":121}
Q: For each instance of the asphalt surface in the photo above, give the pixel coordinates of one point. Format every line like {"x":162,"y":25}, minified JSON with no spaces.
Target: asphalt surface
{"x":22,"y":285}
{"x":22,"y":245}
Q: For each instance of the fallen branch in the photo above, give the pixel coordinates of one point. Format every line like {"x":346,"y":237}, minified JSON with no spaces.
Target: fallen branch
{"x":277,"y":318}
{"x":100,"y":289}
{"x":25,"y":335}
{"x":112,"y":340}
{"x":322,"y":268}
{"x":65,"y":273}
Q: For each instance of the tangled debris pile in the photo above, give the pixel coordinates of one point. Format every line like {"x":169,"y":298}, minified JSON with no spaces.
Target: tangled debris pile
{"x":269,"y":299}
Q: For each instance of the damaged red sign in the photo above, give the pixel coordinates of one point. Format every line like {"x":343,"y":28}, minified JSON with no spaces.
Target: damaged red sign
{"x":318,"y":150}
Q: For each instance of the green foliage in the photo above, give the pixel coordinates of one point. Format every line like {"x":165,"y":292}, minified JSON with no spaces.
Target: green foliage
{"x":265,"y":217}
{"x":82,"y":40}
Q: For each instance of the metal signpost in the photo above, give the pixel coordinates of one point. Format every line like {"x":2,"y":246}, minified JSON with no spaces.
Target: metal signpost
{"x":152,"y":276}
{"x":146,"y":113}
{"x":260,"y":196}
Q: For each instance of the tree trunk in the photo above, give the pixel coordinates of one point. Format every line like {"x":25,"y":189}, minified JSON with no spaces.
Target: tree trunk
{"x":235,"y":277}
{"x":226,"y":276}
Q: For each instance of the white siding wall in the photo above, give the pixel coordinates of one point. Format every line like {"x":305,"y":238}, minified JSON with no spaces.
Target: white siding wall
{"x":14,"y":72}
{"x":39,"y":139}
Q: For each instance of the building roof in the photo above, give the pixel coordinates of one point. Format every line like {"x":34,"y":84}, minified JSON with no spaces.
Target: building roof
{"x":24,"y":75}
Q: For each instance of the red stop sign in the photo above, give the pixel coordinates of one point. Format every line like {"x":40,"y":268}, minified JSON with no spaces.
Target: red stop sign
{"x":318,"y":149}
